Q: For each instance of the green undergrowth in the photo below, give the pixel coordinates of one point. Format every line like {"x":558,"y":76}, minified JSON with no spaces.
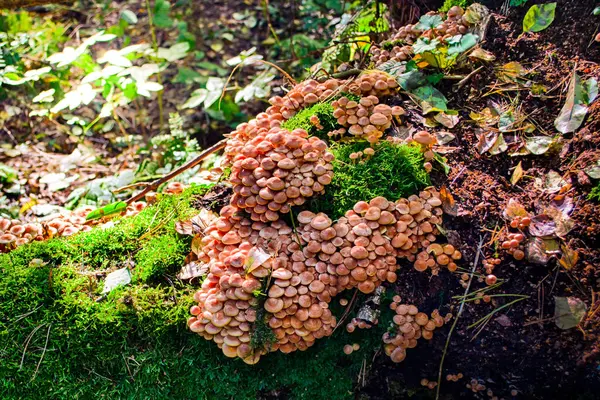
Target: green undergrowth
{"x":448,"y":4}
{"x":394,"y":171}
{"x":61,"y":339}
{"x":595,"y":194}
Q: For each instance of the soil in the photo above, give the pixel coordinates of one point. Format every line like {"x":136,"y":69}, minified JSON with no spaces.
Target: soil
{"x":512,"y":357}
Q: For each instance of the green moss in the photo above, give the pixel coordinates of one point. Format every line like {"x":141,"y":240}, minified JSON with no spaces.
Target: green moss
{"x":448,"y":4}
{"x":324,"y":111}
{"x":595,"y":194}
{"x":134,"y":343}
{"x":394,"y":171}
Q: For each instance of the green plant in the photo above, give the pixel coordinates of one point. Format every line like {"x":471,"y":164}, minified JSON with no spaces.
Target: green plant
{"x":394,"y":171}
{"x":595,"y":193}
{"x":324,"y":113}
{"x":448,"y":4}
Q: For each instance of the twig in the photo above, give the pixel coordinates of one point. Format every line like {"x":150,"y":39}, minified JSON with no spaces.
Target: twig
{"x":27,"y":340}
{"x":460,"y":310}
{"x":154,"y":185}
{"x":467,"y":78}
{"x":43,"y":353}
{"x":343,"y":74}
{"x":347,"y":311}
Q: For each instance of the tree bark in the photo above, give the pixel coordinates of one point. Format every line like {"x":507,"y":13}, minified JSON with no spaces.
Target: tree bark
{"x":10,"y":4}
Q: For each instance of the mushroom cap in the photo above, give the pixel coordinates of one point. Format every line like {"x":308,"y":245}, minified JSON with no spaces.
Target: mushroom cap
{"x":423,"y":137}
{"x":378,"y":119}
{"x":320,"y":222}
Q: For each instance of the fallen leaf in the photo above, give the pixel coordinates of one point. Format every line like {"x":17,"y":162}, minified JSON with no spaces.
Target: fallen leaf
{"x":553,"y":182}
{"x":116,"y":278}
{"x":539,"y":17}
{"x":448,"y":204}
{"x":487,"y":117}
{"x":517,"y":174}
{"x":510,"y":72}
{"x":448,"y":120}
{"x":593,"y":171}
{"x":539,"y":251}
{"x":538,"y":144}
{"x":192,"y":270}
{"x":184,"y":227}
{"x":486,"y":141}
{"x":514,"y":209}
{"x":197,"y":244}
{"x":542,"y":226}
{"x":444,"y":137}
{"x":499,"y":146}
{"x":482,"y":54}
{"x":569,"y":257}
{"x":568,"y":311}
{"x":256,"y":258}
{"x":504,"y":320}
{"x":579,"y":96}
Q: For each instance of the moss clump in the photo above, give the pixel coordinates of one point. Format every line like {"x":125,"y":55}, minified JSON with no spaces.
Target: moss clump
{"x":448,"y":4}
{"x":134,"y":343}
{"x":324,"y":111}
{"x":394,"y":171}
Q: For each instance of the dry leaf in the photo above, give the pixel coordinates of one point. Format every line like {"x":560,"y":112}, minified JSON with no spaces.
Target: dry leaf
{"x":256,"y":258}
{"x":486,"y":141}
{"x":197,"y":244}
{"x":569,"y":257}
{"x":514,"y":209}
{"x":192,"y":270}
{"x":542,"y":225}
{"x":517,"y":174}
{"x":448,"y":204}
{"x":444,"y":137}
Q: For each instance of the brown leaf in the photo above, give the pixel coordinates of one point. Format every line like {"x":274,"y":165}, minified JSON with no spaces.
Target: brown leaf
{"x":448,"y":120}
{"x":569,"y":257}
{"x":486,"y":141}
{"x":444,"y":137}
{"x":542,"y":225}
{"x":197,"y":244}
{"x":514,"y":209}
{"x":517,"y":174}
{"x":184,"y":227}
{"x":448,"y":204}
{"x":539,"y":251}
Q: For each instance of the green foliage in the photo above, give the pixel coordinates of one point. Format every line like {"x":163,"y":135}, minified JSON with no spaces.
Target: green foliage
{"x":448,"y":4}
{"x":595,"y":194}
{"x":324,"y":111}
{"x":517,"y":3}
{"x":394,"y":171}
{"x":539,"y":17}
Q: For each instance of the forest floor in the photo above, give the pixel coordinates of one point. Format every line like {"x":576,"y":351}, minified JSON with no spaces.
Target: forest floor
{"x":520,"y":352}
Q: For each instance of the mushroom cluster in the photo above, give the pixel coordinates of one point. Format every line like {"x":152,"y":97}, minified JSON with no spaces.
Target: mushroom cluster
{"x":364,"y":118}
{"x":455,"y":24}
{"x":409,"y":325}
{"x":279,"y":169}
{"x":15,"y":233}
{"x":301,"y":271}
{"x":437,"y":256}
{"x":373,"y":83}
{"x":396,"y":53}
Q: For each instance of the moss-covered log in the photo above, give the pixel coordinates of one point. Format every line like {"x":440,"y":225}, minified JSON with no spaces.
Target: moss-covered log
{"x":61,"y":339}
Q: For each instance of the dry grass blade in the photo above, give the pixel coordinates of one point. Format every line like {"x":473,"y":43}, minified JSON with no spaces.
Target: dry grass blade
{"x":43,"y":353}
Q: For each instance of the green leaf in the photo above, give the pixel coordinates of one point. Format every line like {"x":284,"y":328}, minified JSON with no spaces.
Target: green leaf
{"x":578,"y":97}
{"x":431,"y":99}
{"x":568,"y":311}
{"x":500,"y":146}
{"x":109,"y":209}
{"x":161,"y":14}
{"x":175,"y":52}
{"x":198,"y":96}
{"x":424,"y":44}
{"x":596,"y":11}
{"x":539,"y":17}
{"x":464,"y":43}
{"x":129,"y":17}
{"x":427,"y":22}
{"x":7,"y":174}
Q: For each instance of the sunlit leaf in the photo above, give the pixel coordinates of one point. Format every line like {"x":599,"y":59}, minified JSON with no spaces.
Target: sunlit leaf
{"x":514,"y":209}
{"x":44,"y":97}
{"x":569,"y":257}
{"x":198,"y":96}
{"x":448,"y":204}
{"x":431,"y":99}
{"x":109,"y":209}
{"x":448,"y":120}
{"x":538,"y":144}
{"x":116,"y":278}
{"x":192,"y":270}
{"x":573,"y":113}
{"x":427,"y":22}
{"x":482,"y":54}
{"x":539,"y":17}
{"x":517,"y":174}
{"x":593,"y":171}
{"x":511,"y":72}
{"x":129,"y":16}
{"x":499,"y":146}
{"x":464,"y":43}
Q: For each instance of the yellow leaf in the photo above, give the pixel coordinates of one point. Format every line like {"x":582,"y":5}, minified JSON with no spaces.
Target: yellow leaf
{"x":30,"y":203}
{"x":517,"y":174}
{"x":569,"y":257}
